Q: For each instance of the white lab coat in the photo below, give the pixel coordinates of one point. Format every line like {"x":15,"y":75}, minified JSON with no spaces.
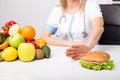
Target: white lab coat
{"x":69,"y":26}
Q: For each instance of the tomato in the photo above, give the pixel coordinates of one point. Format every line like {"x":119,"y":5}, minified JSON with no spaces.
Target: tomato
{"x":10,"y":23}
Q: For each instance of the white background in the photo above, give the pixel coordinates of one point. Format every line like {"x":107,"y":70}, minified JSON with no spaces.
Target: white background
{"x":29,"y":12}
{"x":104,"y":1}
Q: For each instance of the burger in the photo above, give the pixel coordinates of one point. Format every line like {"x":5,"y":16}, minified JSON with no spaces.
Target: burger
{"x":97,"y":60}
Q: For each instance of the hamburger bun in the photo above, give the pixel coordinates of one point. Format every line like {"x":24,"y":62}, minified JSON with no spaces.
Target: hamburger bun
{"x":98,"y":56}
{"x":97,"y":60}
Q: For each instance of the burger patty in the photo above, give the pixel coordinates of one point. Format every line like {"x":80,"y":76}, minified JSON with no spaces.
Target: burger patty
{"x":94,"y":62}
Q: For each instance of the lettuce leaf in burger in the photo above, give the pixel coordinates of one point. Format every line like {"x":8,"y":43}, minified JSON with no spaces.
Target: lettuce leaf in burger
{"x":97,"y":60}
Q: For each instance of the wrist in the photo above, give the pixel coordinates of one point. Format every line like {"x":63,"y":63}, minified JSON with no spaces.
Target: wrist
{"x":90,"y":46}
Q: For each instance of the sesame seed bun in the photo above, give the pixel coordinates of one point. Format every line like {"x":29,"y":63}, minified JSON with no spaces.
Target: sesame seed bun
{"x":97,"y":56}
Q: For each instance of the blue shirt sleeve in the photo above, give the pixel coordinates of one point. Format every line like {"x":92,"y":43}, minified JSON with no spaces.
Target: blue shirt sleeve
{"x":51,"y":28}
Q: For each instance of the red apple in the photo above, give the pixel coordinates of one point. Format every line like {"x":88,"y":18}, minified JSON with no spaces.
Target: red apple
{"x":34,"y":43}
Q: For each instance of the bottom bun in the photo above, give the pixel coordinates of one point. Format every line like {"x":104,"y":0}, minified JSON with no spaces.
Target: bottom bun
{"x":106,"y":65}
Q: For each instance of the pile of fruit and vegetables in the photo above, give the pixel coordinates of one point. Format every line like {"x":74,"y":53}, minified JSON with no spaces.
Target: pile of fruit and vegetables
{"x":19,"y":43}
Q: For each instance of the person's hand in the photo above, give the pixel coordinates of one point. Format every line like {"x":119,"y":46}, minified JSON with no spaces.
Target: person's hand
{"x":75,"y":56}
{"x":76,"y":51}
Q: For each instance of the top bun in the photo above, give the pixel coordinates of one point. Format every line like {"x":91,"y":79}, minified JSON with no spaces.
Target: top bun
{"x":97,"y":56}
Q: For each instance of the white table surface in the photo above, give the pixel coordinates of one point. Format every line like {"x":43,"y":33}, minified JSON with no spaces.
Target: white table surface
{"x":60,"y":67}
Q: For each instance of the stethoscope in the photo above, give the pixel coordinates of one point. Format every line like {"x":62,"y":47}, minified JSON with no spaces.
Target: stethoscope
{"x":84,"y":32}
{"x":64,"y":36}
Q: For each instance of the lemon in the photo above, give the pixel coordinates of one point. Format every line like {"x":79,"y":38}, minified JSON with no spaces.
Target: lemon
{"x":9,"y":54}
{"x":14,"y":29}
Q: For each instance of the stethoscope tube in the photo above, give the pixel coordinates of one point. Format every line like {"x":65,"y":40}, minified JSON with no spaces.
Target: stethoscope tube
{"x":84,"y":32}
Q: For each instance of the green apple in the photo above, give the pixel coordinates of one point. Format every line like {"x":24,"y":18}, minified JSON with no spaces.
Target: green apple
{"x":26,"y":52}
{"x":15,"y":40}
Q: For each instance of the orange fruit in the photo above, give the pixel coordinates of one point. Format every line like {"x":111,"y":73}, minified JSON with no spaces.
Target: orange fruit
{"x":28,"y":32}
{"x":4,"y":45}
{"x":9,"y":54}
{"x":41,"y":42}
{"x":14,"y":29}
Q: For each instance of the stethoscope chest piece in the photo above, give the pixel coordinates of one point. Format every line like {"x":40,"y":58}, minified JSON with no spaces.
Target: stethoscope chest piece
{"x":84,"y":34}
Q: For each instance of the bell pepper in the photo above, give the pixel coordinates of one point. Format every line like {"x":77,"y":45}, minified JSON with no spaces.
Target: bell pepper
{"x":10,"y":23}
{"x":6,"y":31}
{"x":41,"y":42}
{"x":7,"y":27}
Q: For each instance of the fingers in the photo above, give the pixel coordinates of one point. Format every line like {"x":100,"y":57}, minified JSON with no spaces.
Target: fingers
{"x":71,"y":50}
{"x":70,"y":54}
{"x":75,"y":52}
{"x":75,"y":46}
{"x":83,"y":49}
{"x":78,"y":49}
{"x":77,"y":56}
